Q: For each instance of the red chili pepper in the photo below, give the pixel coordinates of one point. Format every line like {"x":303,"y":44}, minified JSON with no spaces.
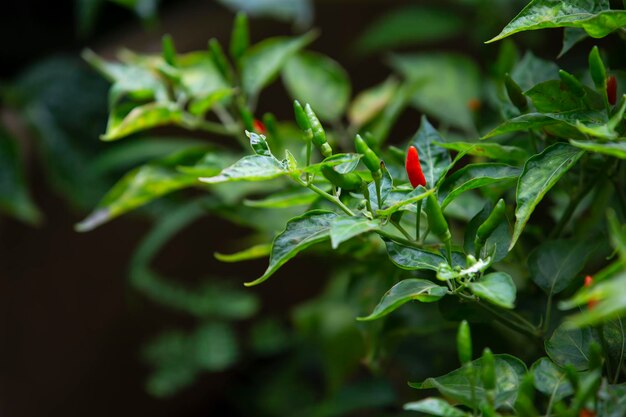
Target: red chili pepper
{"x":474,"y":104}
{"x":611,"y":89}
{"x":259,"y":127}
{"x":414,"y":169}
{"x":586,"y":413}
{"x":588,"y":283}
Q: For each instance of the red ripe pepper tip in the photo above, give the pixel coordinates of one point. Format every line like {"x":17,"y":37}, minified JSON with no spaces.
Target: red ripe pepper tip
{"x":259,"y":127}
{"x":611,"y":89}
{"x":414,"y":168}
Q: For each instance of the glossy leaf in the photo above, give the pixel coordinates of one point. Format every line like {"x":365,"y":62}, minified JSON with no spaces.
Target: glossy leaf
{"x":300,"y":233}
{"x":551,"y":96}
{"x":435,"y":407}
{"x":457,"y":385}
{"x":532,"y":70}
{"x":433,"y":158}
{"x":616,"y":149}
{"x":410,"y":258}
{"x":345,"y":228}
{"x":592,"y":16}
{"x":551,"y":380}
{"x":371,"y":102}
{"x":408,"y":26}
{"x":502,"y":153}
{"x":319,"y":81}
{"x":249,"y":168}
{"x":262,"y":62}
{"x":571,"y":36}
{"x":475,"y":176}
{"x":405,"y":291}
{"x":141,"y":118}
{"x":259,"y":144}
{"x":445,"y":84}
{"x":497,"y":288}
{"x":540,"y":174}
{"x":555,"y":264}
{"x":570,"y":347}
{"x":254,"y":252}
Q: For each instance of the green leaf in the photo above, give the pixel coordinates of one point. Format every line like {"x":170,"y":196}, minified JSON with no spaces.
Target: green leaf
{"x":405,"y":291}
{"x":445,"y":83}
{"x":285,"y":199}
{"x":571,"y":36}
{"x":570,"y":347}
{"x":400,"y":199}
{"x":408,"y":26}
{"x":262,"y":62}
{"x":345,"y":228}
{"x":502,"y":153}
{"x":497,"y":244}
{"x":457,"y":385}
{"x":551,"y":380}
{"x":616,"y":149}
{"x":371,"y":102}
{"x":433,"y":158}
{"x":540,"y":174}
{"x":254,"y":252}
{"x":249,"y":168}
{"x":142,"y":185}
{"x":141,"y":118}
{"x":319,"y":81}
{"x":475,"y":176}
{"x":592,"y":16}
{"x":554,"y":264}
{"x":14,"y":197}
{"x":550,"y":96}
{"x":300,"y":233}
{"x":497,"y":288}
{"x":410,"y":258}
{"x":531,"y":71}
{"x":435,"y":407}
{"x":614,"y":335}
{"x":259,"y":144}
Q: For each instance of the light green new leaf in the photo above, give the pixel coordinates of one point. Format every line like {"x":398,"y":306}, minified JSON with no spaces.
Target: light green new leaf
{"x":345,"y":228}
{"x":570,"y":347}
{"x":435,"y":407}
{"x":475,"y":176}
{"x":554,"y":264}
{"x":319,"y":81}
{"x":262,"y":62}
{"x":407,"y":26}
{"x":457,"y":385}
{"x":410,"y":258}
{"x":497,"y":288}
{"x":551,"y":380}
{"x":249,"y":168}
{"x":405,"y":291}
{"x":616,"y":149}
{"x":141,"y":118}
{"x":592,"y":16}
{"x":369,"y":103}
{"x":300,"y":233}
{"x":445,"y":83}
{"x":433,"y":158}
{"x":540,"y":174}
{"x":502,"y":153}
{"x":254,"y":252}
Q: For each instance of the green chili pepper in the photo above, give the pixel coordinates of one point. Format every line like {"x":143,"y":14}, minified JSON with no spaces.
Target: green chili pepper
{"x":301,"y":119}
{"x":464,"y":343}
{"x":572,"y":83}
{"x":169,"y":51}
{"x":436,"y":221}
{"x":319,"y":136}
{"x":240,"y":37}
{"x":515,"y":93}
{"x":488,"y":370}
{"x":217,"y":53}
{"x":349,"y":181}
{"x":370,"y":159}
{"x":596,"y":69}
{"x":489,"y":225}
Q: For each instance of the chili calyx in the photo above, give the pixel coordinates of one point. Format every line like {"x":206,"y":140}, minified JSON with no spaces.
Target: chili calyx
{"x":414,"y":168}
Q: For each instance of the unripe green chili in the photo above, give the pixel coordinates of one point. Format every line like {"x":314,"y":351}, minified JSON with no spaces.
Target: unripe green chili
{"x":169,"y":51}
{"x":349,"y":181}
{"x":240,"y":37}
{"x":319,"y":135}
{"x":515,"y":93}
{"x":596,"y":69}
{"x":370,"y":159}
{"x":489,"y":225}
{"x":464,"y":343}
{"x":572,"y":83}
{"x":217,"y":53}
{"x":436,"y":221}
{"x":488,"y":370}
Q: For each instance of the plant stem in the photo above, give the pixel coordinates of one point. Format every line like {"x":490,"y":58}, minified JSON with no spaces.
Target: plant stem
{"x":418,"y":219}
{"x":546,"y":324}
{"x":378,"y":199}
{"x":324,"y":194}
{"x":569,"y":210}
{"x":401,"y":229}
{"x":406,"y":242}
{"x":308,"y":160}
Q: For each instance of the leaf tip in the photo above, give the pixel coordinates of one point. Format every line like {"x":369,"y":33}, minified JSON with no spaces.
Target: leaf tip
{"x":94,"y":220}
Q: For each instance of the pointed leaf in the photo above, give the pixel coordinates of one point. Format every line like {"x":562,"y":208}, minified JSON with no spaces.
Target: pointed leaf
{"x":502,"y":153}
{"x":433,"y":158}
{"x":616,"y":149}
{"x":570,"y":347}
{"x":497,"y":288}
{"x":410,"y":258}
{"x":369,"y":103}
{"x":551,"y":380}
{"x":345,"y":228}
{"x":254,"y":252}
{"x":249,"y":168}
{"x":435,"y":407}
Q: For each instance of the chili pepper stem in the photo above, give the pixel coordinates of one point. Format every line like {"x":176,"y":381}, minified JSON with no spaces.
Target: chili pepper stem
{"x":449,"y":251}
{"x":418,"y":219}
{"x":308,"y":160}
{"x":324,"y":194}
{"x":401,"y":229}
{"x":377,"y":182}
